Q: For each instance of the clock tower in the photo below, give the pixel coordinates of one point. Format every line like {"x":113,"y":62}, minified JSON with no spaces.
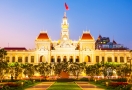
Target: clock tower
{"x":64,"y":27}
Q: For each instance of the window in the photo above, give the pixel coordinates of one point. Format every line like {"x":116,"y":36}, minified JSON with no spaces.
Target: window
{"x":115,"y":59}
{"x":7,"y":59}
{"x":32,"y":59}
{"x":13,"y":59}
{"x":64,"y":59}
{"x":19,"y":59}
{"x":109,"y":59}
{"x":77,"y":59}
{"x":71,"y":59}
{"x":97,"y":58}
{"x":89,"y":59}
{"x":52,"y":59}
{"x":26,"y":59}
{"x":121,"y":59}
{"x":58,"y":59}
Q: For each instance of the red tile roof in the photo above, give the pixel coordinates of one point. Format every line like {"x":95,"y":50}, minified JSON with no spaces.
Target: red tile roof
{"x":43,"y":35}
{"x":113,"y":48}
{"x":86,"y":36}
{"x":15,"y":48}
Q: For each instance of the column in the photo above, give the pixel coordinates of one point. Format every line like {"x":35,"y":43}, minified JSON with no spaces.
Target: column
{"x":55,"y":58}
{"x":92,"y":58}
{"x":106,"y":59}
{"x":10,"y":58}
{"x":61,"y":58}
{"x":23,"y":59}
{"x":37,"y":58}
{"x":29,"y":59}
{"x":125,"y":59}
{"x":74,"y":58}
{"x":113,"y":58}
{"x":68,"y":57}
{"x":118,"y":59}
{"x":100,"y":58}
{"x":16,"y":58}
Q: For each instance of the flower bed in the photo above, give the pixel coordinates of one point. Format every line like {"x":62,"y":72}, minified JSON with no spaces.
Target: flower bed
{"x":116,"y":84}
{"x":12,"y":84}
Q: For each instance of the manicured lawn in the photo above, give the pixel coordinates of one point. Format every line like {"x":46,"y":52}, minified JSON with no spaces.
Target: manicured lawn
{"x":64,"y":86}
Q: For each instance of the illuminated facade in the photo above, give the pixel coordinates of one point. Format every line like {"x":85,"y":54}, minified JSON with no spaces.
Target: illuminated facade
{"x":86,"y":49}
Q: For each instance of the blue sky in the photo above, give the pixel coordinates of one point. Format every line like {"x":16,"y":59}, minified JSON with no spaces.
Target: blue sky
{"x":22,"y":20}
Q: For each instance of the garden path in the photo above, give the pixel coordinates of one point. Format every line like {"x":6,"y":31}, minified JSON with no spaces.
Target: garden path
{"x":87,"y":86}
{"x":41,"y":86}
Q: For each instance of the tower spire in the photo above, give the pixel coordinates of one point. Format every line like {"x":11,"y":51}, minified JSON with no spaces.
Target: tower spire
{"x":64,"y":24}
{"x":64,"y":14}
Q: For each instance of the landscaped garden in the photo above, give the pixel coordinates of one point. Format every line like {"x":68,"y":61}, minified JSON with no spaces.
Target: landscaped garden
{"x":107,"y":75}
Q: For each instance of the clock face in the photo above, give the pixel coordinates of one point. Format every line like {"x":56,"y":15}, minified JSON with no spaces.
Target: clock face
{"x":65,"y":37}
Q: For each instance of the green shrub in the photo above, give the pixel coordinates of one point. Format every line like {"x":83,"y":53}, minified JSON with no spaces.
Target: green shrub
{"x":65,"y":80}
{"x":83,"y":79}
{"x":120,"y":80}
{"x":102,"y":81}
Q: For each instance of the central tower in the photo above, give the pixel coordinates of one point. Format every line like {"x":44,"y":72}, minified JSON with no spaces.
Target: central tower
{"x":64,"y":27}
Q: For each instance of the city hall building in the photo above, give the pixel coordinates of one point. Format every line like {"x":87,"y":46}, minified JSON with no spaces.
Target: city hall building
{"x":86,"y":49}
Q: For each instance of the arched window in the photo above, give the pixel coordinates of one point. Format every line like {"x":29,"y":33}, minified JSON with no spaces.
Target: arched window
{"x":71,"y":59}
{"x":87,"y":58}
{"x":42,"y":59}
{"x":52,"y":59}
{"x":58,"y":59}
{"x":64,"y":59}
{"x":77,"y":59}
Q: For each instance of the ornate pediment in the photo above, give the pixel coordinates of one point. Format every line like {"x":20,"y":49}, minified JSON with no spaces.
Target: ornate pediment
{"x":42,"y":49}
{"x":87,"y":49}
{"x":65,"y":44}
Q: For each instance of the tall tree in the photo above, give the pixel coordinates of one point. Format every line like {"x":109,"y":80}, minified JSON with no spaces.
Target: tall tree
{"x":3,"y":53}
{"x":3,"y":64}
{"x":28,"y":70}
{"x":44,"y":69}
{"x":3,"y":69}
{"x":76,"y":68}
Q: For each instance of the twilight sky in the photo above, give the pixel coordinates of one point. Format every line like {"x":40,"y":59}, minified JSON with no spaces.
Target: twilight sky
{"x":22,"y":20}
